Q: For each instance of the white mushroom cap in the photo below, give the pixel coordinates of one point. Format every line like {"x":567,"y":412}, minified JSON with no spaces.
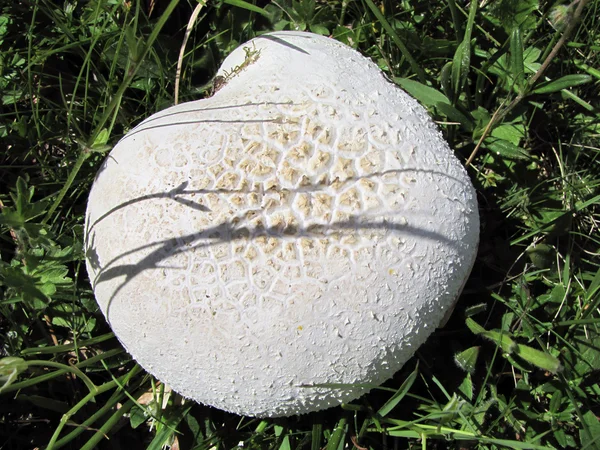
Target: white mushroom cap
{"x":306,"y":225}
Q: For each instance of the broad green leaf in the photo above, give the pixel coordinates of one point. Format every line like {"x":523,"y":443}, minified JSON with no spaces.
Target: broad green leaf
{"x":474,"y":326}
{"x":542,"y":256}
{"x":24,"y":195}
{"x":588,"y":358}
{"x":26,"y":285}
{"x":467,"y":359}
{"x":424,"y":94}
{"x":512,"y":133}
{"x":555,"y":402}
{"x":137,"y":416}
{"x":517,"y":66}
{"x":590,"y":431}
{"x":455,"y":115}
{"x":530,"y":59}
{"x":446,"y":78}
{"x":558,"y":293}
{"x":505,"y":149}
{"x":565,"y":82}
{"x":460,"y":66}
{"x":500,"y":338}
{"x":10,"y":368}
{"x":461,"y":63}
{"x":319,"y":29}
{"x":466,"y":387}
{"x":134,"y":44}
{"x":471,"y":20}
{"x":538,"y":358}
{"x":48,"y":403}
{"x":101,"y":139}
{"x":431,"y":97}
{"x":515,"y":13}
{"x":475,"y":309}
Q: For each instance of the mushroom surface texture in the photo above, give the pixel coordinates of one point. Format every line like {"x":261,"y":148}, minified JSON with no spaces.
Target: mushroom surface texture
{"x":288,"y":243}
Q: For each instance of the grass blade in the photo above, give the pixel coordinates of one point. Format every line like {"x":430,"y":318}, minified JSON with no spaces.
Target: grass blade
{"x":461,"y":63}
{"x":248,"y":6}
{"x":336,"y":440}
{"x":403,"y":49}
{"x":400,"y":393}
{"x":316,"y":436}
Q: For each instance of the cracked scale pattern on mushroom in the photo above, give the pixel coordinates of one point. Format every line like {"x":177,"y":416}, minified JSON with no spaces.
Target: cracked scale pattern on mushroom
{"x":285,"y":233}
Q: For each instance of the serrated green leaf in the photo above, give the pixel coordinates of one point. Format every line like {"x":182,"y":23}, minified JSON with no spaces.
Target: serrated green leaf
{"x":26,"y":286}
{"x":565,"y":82}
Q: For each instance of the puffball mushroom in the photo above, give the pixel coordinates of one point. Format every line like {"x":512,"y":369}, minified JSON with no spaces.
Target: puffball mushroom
{"x":288,"y":243}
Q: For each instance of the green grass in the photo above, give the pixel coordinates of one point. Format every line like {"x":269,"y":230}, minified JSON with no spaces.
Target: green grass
{"x":514,"y":86}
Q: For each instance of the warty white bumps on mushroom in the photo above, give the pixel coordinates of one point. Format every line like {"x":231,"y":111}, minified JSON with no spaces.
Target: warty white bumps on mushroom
{"x":305,"y":226}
